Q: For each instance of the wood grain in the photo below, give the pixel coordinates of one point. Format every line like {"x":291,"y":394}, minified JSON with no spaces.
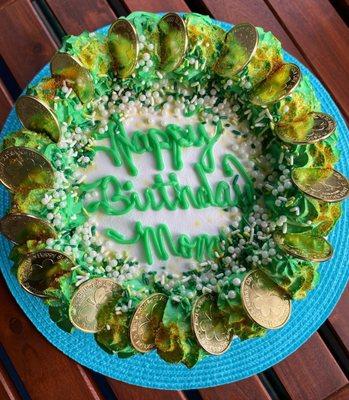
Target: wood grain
{"x":123,"y":391}
{"x":324,"y":39}
{"x":339,"y":322}
{"x":156,"y":5}
{"x":25,"y":44}
{"x":5,"y":103}
{"x":311,"y":373}
{"x":46,"y":373}
{"x":248,"y":389}
{"x":8,"y":390}
{"x":255,"y":12}
{"x":76,"y":15}
{"x":72,"y":22}
{"x":341,"y":394}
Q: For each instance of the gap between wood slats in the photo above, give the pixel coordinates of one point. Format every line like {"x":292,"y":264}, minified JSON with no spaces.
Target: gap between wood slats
{"x":342,"y":7}
{"x":273,"y":385}
{"x":7,"y":389}
{"x":102,"y":382}
{"x":341,"y":394}
{"x":311,"y":372}
{"x":54,"y":24}
{"x":322,"y":38}
{"x":6,"y":102}
{"x":118,"y":7}
{"x":26,"y":44}
{"x":192,"y":394}
{"x":338,"y":324}
{"x":328,"y":335}
{"x":253,"y":11}
{"x":14,"y":385}
{"x":54,"y":31}
{"x":13,"y":90}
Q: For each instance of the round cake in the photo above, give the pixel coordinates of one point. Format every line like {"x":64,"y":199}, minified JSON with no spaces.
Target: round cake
{"x":173,"y":186}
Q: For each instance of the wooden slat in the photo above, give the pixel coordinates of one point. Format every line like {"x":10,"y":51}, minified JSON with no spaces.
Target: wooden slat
{"x":69,"y":20}
{"x":342,"y":394}
{"x":25,"y":44}
{"x":156,"y":5}
{"x":46,"y":373}
{"x":311,"y":373}
{"x":8,"y":390}
{"x":76,"y":15}
{"x":255,"y":12}
{"x":5,"y":103}
{"x":123,"y":391}
{"x":248,"y":389}
{"x":342,"y":7}
{"x":324,"y":41}
{"x":240,"y":390}
{"x":339,"y":321}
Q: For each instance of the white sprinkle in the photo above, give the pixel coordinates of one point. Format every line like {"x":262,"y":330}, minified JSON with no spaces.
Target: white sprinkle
{"x":236,"y":282}
{"x":68,"y":93}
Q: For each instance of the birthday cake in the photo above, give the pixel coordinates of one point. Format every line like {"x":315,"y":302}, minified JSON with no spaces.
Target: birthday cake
{"x":173,"y":186}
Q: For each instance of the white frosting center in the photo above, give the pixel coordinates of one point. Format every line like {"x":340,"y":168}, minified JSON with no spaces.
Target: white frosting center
{"x":192,"y":222}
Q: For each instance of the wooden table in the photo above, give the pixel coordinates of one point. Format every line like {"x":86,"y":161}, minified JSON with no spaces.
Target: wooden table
{"x":30,"y":32}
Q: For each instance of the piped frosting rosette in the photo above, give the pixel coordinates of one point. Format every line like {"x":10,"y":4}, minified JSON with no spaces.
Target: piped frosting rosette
{"x":289,"y":204}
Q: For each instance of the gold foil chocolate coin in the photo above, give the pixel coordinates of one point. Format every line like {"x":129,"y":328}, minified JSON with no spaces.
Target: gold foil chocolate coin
{"x":264,"y":301}
{"x":123,"y":46}
{"x":240,"y":46}
{"x":324,"y":184}
{"x":316,"y":126}
{"x":89,"y":300}
{"x":71,"y":70}
{"x":304,"y":246}
{"x":210,"y":325}
{"x":19,"y":228}
{"x":37,"y":116}
{"x":173,"y":41}
{"x":23,"y":169}
{"x":146,"y":321}
{"x":41,"y":270}
{"x":278,"y":85}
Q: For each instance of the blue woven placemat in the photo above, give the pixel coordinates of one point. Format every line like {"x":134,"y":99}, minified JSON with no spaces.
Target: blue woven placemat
{"x":244,"y":358}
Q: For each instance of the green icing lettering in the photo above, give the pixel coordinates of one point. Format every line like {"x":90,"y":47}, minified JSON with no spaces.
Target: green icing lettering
{"x":161,"y":240}
{"x":118,"y":198}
